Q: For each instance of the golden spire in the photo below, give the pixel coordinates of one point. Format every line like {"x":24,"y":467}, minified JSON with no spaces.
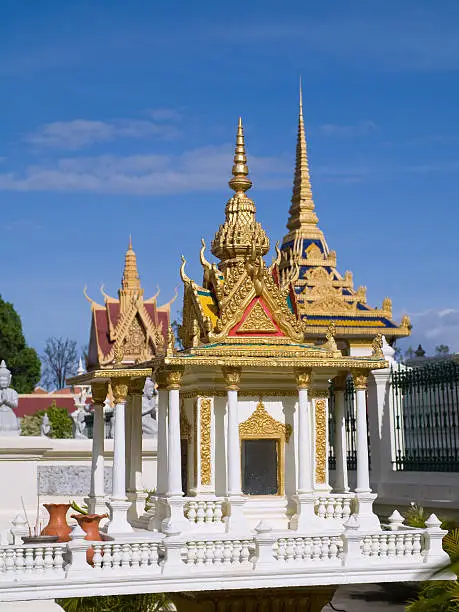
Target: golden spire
{"x":241,"y":236}
{"x":130,"y":283}
{"x":302,"y":208}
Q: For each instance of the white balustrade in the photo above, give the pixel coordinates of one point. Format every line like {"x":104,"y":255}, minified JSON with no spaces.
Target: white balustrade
{"x":123,"y":555}
{"x":334,"y":506}
{"x":394,"y":546}
{"x":205,"y":511}
{"x":313,"y":549}
{"x":205,"y":554}
{"x":20,"y":562}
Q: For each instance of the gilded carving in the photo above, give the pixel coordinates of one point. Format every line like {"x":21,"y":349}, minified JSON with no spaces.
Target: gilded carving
{"x":261,"y":424}
{"x":120,"y":390}
{"x":136,"y":386}
{"x":339,"y":382}
{"x":205,"y":446}
{"x":318,"y":393}
{"x":173,"y":378}
{"x":377,"y":346}
{"x":99,"y":393}
{"x":232,"y":377}
{"x":320,"y":413}
{"x":303,"y":378}
{"x":360,"y":378}
{"x":257,"y":321}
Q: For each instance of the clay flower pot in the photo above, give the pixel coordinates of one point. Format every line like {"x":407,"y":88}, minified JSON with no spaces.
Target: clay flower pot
{"x":57,"y":524}
{"x":89,"y":523}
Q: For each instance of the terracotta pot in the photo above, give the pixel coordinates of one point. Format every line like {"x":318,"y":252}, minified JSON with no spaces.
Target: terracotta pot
{"x":89,"y":523}
{"x":57,"y":524}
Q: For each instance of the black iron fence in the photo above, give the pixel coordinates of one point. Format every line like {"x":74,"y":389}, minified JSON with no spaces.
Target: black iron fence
{"x":349,"y":398}
{"x":89,"y":420}
{"x":425,"y":403}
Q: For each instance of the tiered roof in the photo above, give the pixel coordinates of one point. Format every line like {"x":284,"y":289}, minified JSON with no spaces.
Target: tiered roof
{"x":129,"y":329}
{"x":324,"y":296}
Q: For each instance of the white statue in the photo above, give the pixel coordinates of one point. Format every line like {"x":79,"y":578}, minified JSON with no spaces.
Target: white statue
{"x":79,"y":425}
{"x":9,"y":423}
{"x":45,"y":428}
{"x":149,"y":406}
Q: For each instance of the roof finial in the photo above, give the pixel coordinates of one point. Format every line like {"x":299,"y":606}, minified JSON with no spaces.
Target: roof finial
{"x":301,"y":211}
{"x":240,"y":183}
{"x":130,"y":283}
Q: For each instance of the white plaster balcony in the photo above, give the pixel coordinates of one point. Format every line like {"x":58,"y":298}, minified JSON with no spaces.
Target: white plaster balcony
{"x":152,"y":562}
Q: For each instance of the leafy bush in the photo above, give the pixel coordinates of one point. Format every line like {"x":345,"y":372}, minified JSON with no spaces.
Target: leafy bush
{"x":145,"y":602}
{"x":60,"y":421}
{"x":416,"y":517}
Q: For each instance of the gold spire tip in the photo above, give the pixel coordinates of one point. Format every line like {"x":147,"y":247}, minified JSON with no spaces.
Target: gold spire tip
{"x":240,"y":183}
{"x":130,"y":242}
{"x":301,"y":97}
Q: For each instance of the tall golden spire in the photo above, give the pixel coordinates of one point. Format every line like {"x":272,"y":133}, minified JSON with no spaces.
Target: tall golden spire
{"x":130,"y":283}
{"x":241,"y":235}
{"x":302,"y":208}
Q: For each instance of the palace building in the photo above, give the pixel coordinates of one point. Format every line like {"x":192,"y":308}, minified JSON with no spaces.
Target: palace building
{"x":324,"y":296}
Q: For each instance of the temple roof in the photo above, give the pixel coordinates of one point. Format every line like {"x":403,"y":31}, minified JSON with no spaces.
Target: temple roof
{"x":128,"y":329}
{"x":245,"y":312}
{"x":323,"y":295}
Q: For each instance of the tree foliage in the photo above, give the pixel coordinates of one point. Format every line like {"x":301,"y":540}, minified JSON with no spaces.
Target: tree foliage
{"x":59,"y":419}
{"x":147,"y":602}
{"x":442,"y":349}
{"x":22,"y":360}
{"x":59,"y":361}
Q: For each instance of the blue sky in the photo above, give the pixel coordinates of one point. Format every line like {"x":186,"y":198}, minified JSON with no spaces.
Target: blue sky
{"x":120,"y":118}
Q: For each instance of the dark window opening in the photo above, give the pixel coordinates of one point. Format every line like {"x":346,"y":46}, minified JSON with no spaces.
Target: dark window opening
{"x":260,"y":467}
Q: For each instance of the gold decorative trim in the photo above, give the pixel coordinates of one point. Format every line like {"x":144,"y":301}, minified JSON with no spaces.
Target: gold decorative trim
{"x":303,"y":378}
{"x":320,"y":413}
{"x":261,"y":425}
{"x":257,"y":393}
{"x":120,"y":391}
{"x":318,"y":393}
{"x":257,"y":321}
{"x":360,"y":378}
{"x":232,"y":377}
{"x":205,"y":432}
{"x":99,"y":393}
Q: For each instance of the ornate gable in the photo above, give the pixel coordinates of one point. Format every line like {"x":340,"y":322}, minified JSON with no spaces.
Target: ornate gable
{"x":129,"y":329}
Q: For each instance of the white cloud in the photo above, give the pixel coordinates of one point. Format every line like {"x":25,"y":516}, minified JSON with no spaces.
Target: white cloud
{"x":433,"y":327}
{"x":79,"y":133}
{"x":357,"y":129}
{"x":201,"y":169}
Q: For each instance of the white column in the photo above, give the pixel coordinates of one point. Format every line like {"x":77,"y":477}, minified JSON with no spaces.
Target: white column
{"x":234,"y":449}
{"x":363,"y":471}
{"x":341,"y":479}
{"x":135,"y":488}
{"x":119,"y":503}
{"x":96,"y":499}
{"x":161,"y":487}
{"x":174,"y":455}
{"x":305,"y":463}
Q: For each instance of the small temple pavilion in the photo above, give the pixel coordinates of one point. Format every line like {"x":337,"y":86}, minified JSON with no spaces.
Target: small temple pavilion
{"x":324,"y":296}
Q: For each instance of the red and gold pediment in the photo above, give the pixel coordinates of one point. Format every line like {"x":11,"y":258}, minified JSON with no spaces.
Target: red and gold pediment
{"x":257,"y":320}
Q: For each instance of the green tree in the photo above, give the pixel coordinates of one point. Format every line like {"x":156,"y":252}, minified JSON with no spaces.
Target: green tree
{"x":22,"y":360}
{"x":442,"y":349}
{"x":59,"y":419}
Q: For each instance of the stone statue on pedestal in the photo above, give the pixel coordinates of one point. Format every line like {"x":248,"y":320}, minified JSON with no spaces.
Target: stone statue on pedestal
{"x":79,"y":425}
{"x":149,"y":406}
{"x":45,"y":428}
{"x":9,"y":423}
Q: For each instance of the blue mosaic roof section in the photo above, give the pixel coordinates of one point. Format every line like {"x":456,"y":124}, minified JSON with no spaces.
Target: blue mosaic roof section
{"x":326,"y":318}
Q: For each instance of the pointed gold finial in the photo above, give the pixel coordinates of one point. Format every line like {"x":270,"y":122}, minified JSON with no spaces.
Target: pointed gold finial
{"x":302,"y":209}
{"x":130,"y":283}
{"x":240,"y":182}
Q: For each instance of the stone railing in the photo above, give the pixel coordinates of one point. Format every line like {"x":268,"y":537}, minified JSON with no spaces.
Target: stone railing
{"x":312,"y":549}
{"x":205,"y":511}
{"x":17,"y":562}
{"x":135,"y":555}
{"x":334,"y":506}
{"x":224,"y":553}
{"x":394,"y":546}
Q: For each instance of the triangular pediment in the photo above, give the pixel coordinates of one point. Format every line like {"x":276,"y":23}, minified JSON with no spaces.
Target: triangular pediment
{"x":257,"y":320}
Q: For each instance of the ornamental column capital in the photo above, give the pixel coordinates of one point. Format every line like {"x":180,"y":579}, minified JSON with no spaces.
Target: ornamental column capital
{"x":303,"y":378}
{"x":169,"y":378}
{"x":120,"y":390}
{"x":232,"y":377}
{"x":136,"y":386}
{"x":360,"y":378}
{"x":99,"y":391}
